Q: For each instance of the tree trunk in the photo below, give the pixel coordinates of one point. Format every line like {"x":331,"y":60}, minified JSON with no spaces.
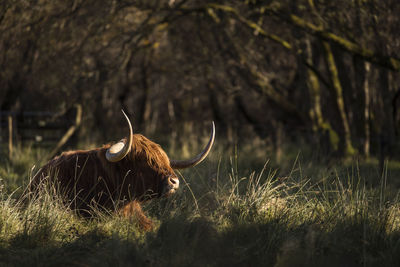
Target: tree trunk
{"x":362,"y":105}
{"x":321,"y":126}
{"x":145,"y":104}
{"x":216,"y":109}
{"x":346,"y":147}
{"x":362,"y":93}
{"x":367,"y":139}
{"x":387,"y":132}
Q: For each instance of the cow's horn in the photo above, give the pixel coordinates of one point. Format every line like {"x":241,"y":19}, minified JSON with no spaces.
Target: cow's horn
{"x":119,"y":150}
{"x":182,"y":164}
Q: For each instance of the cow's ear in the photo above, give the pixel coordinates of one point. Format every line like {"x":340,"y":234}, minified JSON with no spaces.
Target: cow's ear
{"x":119,"y":150}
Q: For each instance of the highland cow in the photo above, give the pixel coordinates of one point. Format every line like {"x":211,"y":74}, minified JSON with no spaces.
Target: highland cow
{"x":119,"y":176}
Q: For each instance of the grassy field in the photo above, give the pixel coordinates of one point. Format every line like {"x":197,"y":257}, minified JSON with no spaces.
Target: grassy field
{"x":232,"y":210}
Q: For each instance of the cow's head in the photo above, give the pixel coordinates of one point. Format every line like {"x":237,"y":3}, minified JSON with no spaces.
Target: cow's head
{"x":151,"y":167}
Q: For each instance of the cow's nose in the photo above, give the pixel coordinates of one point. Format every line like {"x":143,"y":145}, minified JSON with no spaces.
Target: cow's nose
{"x":174,"y":181}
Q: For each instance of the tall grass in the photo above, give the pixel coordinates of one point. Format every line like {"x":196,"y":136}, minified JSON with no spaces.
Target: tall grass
{"x":224,"y":214}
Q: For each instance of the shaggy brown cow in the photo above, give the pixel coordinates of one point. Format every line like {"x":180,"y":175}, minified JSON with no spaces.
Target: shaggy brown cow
{"x":118,"y":176}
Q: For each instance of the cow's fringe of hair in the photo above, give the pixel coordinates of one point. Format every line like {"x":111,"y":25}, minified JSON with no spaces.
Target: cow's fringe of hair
{"x":141,"y":146}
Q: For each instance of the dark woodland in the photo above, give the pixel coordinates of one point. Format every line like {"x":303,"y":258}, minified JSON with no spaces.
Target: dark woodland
{"x":319,"y":73}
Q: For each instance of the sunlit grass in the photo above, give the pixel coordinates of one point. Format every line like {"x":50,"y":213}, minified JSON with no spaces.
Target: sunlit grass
{"x":224,"y":214}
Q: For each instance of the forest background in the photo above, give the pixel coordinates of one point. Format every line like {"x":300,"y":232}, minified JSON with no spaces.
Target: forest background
{"x":315,"y":72}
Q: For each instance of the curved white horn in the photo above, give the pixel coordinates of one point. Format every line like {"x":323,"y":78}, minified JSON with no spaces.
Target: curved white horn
{"x":182,"y":164}
{"x":119,"y":150}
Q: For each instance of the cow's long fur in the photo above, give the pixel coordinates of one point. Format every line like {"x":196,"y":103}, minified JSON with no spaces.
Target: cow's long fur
{"x":87,"y":178}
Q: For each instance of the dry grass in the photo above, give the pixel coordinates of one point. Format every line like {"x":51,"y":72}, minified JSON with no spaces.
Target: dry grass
{"x":221,"y":216}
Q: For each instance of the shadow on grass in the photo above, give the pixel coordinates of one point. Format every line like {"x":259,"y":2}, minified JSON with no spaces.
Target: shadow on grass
{"x":183,"y":241}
